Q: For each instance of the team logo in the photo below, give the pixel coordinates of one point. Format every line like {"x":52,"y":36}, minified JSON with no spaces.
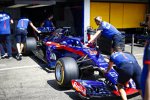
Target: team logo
{"x":79,"y":88}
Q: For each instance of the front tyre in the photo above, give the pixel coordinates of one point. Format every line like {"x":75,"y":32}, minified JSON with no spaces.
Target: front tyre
{"x":66,"y":69}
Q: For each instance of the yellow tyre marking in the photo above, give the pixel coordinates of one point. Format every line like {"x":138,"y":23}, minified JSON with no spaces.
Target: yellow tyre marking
{"x":62,"y":73}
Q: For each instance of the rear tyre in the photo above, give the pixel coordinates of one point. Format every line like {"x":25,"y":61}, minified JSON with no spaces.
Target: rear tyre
{"x":30,"y":45}
{"x":66,"y":69}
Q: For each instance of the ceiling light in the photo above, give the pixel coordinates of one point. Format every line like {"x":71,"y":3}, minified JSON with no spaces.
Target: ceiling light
{"x":35,"y":6}
{"x":17,"y":5}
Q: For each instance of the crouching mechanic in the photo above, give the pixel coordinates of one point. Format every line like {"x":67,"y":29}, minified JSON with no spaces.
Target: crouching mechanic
{"x":21,"y":34}
{"x":127,"y":67}
{"x":108,"y":31}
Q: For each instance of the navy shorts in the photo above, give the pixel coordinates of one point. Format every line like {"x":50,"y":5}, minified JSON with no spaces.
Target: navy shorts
{"x":127,"y":71}
{"x":21,"y":36}
{"x":118,"y":40}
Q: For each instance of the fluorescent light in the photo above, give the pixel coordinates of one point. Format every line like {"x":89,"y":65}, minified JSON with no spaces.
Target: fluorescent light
{"x":35,"y":6}
{"x":17,"y":5}
{"x":32,"y":2}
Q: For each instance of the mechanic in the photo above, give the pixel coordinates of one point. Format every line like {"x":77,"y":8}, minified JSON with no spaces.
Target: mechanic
{"x":127,"y":67}
{"x":109,"y":31}
{"x":48,"y":22}
{"x":145,"y":78}
{"x":5,"y":33}
{"x":21,"y":34}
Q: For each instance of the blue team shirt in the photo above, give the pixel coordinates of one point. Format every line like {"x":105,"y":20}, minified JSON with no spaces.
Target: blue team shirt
{"x":47,"y":23}
{"x":23,"y":23}
{"x":108,"y":30}
{"x":121,"y":57}
{"x":4,"y":23}
{"x":146,"y":62}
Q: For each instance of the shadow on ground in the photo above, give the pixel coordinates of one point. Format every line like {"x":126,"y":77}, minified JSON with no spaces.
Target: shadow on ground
{"x":54,"y":85}
{"x":42,"y":64}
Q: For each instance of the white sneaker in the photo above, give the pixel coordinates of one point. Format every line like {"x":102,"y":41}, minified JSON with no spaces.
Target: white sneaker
{"x":4,"y":56}
{"x":20,"y":54}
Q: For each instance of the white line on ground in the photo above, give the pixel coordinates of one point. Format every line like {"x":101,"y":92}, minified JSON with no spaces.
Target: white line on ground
{"x":138,"y":54}
{"x":21,"y":67}
{"x":2,"y":65}
{"x":127,"y":45}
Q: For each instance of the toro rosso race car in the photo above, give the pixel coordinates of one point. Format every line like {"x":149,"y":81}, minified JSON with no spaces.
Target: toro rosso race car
{"x":76,"y":65}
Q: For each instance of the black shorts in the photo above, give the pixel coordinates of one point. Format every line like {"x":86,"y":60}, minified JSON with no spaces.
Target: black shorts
{"x":21,"y":36}
{"x":118,"y":41}
{"x":127,"y":71}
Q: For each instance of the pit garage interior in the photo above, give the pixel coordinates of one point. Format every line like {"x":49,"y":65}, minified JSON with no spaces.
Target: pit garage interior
{"x":66,"y":13}
{"x":125,"y":15}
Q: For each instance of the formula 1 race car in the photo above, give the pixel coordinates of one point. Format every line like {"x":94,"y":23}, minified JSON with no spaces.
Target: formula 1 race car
{"x":75,"y":64}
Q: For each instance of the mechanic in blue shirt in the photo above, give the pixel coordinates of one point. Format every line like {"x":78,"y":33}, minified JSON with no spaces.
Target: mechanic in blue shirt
{"x":21,"y":34}
{"x":5,"y":33}
{"x":145,"y":78}
{"x":48,"y":22}
{"x":127,"y":67}
{"x":109,"y":31}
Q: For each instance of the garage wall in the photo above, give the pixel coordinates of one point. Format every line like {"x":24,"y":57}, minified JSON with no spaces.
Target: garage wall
{"x":121,"y":15}
{"x":137,"y":1}
{"x":116,"y":14}
{"x":133,"y":15}
{"x":99,"y":9}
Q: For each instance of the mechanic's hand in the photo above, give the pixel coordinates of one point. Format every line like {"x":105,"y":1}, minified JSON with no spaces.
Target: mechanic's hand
{"x":39,"y":31}
{"x":37,"y":38}
{"x":104,"y":72}
{"x":85,"y":45}
{"x":89,"y":44}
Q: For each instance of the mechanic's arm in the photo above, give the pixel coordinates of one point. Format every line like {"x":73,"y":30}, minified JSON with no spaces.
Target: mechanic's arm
{"x":11,"y":21}
{"x":110,"y":65}
{"x":34,"y":27}
{"x":98,"y":33}
{"x":53,"y":24}
{"x":42,"y":24}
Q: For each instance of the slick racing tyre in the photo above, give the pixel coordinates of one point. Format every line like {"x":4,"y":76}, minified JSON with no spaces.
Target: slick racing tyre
{"x":66,"y":69}
{"x":30,"y":45}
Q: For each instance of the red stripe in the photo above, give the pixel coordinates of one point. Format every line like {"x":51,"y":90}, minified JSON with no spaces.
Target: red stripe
{"x":65,"y":48}
{"x":124,"y":55}
{"x":4,"y":24}
{"x":74,"y":51}
{"x":147,"y":62}
{"x":129,"y":91}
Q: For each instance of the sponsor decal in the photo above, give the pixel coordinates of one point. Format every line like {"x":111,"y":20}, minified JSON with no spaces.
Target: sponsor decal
{"x":93,"y":52}
{"x":77,"y":86}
